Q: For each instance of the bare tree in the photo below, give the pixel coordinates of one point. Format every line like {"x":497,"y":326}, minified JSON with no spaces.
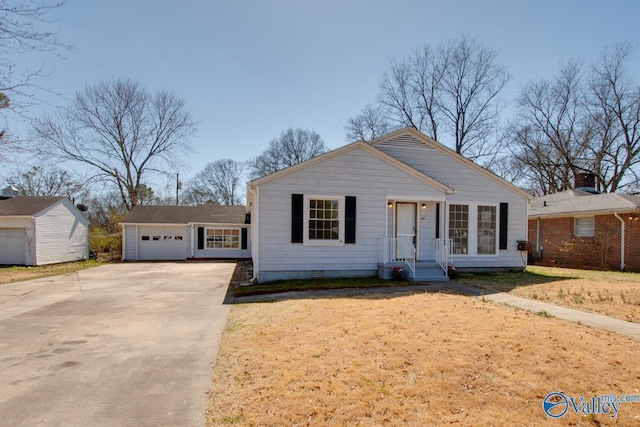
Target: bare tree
{"x":41,"y":181}
{"x":293,"y":146}
{"x":121,"y":131}
{"x":574,"y":123}
{"x":21,"y":31}
{"x":450,"y":90}
{"x":369,"y":124}
{"x":220,"y":182}
{"x":549,"y":136}
{"x":613,"y":111}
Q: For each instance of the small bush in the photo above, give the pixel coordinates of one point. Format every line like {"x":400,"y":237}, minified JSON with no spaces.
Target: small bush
{"x":108,"y":246}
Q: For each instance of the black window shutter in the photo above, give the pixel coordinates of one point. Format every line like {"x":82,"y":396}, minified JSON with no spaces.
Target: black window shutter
{"x":297,"y":218}
{"x":350,"y":219}
{"x":243,"y":243}
{"x":437,"y":220}
{"x":504,"y":221}
{"x":200,"y":237}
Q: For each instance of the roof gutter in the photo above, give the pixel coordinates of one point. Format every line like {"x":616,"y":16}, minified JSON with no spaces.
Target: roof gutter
{"x":621,"y":240}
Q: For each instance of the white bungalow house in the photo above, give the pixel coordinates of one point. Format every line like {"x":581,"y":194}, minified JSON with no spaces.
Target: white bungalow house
{"x":185,"y":232}
{"x":41,"y":230}
{"x":400,"y":200}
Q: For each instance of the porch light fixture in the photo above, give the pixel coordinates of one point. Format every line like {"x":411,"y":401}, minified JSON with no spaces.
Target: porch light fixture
{"x":424,"y":206}
{"x":389,"y":205}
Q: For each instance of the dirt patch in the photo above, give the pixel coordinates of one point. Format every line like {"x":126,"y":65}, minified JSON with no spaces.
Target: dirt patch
{"x":426,"y":359}
{"x":610,"y":293}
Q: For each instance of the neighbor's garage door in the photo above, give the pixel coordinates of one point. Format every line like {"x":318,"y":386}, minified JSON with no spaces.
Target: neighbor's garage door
{"x":12,"y":245}
{"x":161,"y":243}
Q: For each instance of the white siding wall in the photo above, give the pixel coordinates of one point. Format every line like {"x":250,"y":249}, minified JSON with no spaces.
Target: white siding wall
{"x":471,"y":187}
{"x":130,"y":242}
{"x":61,"y":234}
{"x":354,"y":173}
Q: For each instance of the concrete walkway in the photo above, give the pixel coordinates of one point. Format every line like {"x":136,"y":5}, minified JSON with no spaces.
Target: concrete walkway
{"x":582,"y":317}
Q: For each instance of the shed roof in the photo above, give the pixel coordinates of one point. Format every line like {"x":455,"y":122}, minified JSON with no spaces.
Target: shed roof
{"x":578,"y":202}
{"x":26,"y":205}
{"x":218,"y":214}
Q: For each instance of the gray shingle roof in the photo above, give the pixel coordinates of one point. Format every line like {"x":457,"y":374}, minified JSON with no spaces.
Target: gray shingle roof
{"x":576,"y":202}
{"x":185,"y":214}
{"x":26,"y":205}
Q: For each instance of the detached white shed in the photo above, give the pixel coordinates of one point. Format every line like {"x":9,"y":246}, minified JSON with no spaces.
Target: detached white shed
{"x":41,"y":230}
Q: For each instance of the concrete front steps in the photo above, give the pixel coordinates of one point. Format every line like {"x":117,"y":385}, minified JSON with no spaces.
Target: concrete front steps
{"x":426,"y":271}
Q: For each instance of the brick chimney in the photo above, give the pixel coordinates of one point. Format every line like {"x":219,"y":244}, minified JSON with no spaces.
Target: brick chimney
{"x":585,"y":181}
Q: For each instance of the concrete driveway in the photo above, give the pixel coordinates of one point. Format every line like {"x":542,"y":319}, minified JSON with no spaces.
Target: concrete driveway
{"x":118,"y":345}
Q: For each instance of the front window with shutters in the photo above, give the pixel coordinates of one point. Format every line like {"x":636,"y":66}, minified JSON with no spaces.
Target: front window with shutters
{"x":324,"y":221}
{"x":222,"y":238}
{"x":459,"y":228}
{"x":486,"y":230}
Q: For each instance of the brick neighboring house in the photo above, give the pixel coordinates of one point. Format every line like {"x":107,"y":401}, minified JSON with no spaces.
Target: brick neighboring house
{"x":583,"y":228}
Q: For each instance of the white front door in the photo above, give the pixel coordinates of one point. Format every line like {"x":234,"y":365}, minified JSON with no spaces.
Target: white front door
{"x":405,"y":229}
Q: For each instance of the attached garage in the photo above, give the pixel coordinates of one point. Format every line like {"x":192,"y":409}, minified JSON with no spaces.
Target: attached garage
{"x":12,"y":242}
{"x":161,"y":243}
{"x":183,"y":232}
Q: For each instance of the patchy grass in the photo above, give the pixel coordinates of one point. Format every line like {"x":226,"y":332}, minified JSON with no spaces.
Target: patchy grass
{"x":309,"y":284}
{"x":18,"y":274}
{"x":611,"y":293}
{"x":424,"y":359}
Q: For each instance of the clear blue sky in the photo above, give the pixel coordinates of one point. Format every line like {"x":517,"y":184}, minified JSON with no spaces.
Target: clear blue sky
{"x":250,"y":69}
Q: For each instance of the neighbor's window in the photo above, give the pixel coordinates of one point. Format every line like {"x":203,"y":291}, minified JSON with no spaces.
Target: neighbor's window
{"x":584,"y":226}
{"x":223,"y":238}
{"x":459,"y":228}
{"x":486,"y":230}
{"x":324,"y":221}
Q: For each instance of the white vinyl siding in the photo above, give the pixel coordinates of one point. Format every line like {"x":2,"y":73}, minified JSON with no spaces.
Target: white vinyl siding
{"x":471,"y":186}
{"x":354,"y":173}
{"x":61,"y":234}
{"x":584,"y":226}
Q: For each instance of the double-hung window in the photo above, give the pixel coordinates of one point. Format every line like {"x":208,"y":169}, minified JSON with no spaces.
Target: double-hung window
{"x":473,"y":229}
{"x":584,"y":226}
{"x":459,"y":228}
{"x":324,"y":221}
{"x":486,"y":230}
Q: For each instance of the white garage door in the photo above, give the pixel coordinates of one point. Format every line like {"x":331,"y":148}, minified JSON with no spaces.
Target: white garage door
{"x":12,"y":245}
{"x":161,"y":243}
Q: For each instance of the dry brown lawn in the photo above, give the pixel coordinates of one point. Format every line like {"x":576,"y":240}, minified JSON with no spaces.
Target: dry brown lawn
{"x":412,"y":360}
{"x":611,"y":293}
{"x":18,"y":274}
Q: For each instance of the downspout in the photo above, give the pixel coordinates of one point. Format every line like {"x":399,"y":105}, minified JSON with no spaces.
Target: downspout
{"x":621,"y":240}
{"x":538,"y":240}
{"x":124,"y":243}
{"x":255,"y":248}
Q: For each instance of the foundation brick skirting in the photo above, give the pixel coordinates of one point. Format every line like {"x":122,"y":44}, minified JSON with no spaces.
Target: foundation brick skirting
{"x":562,"y":248}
